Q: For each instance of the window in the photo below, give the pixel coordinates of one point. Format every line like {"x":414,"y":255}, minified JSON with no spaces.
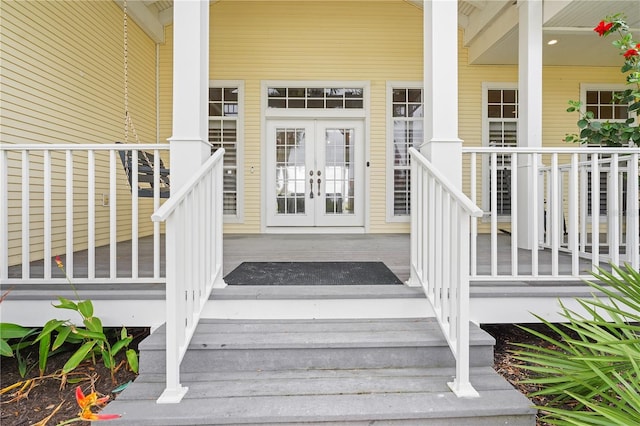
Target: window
{"x":500,"y":129}
{"x":600,"y":101}
{"x":405,"y":112}
{"x":315,"y":97}
{"x":225,"y":113}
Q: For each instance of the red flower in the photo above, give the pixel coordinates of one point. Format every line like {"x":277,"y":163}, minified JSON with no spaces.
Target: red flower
{"x":59,"y":262}
{"x":630,"y":53}
{"x":603,"y":27}
{"x":91,"y":400}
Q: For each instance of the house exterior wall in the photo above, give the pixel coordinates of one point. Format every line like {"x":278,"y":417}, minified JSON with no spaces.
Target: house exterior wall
{"x":62,"y":82}
{"x":338,"y":41}
{"x":327,"y":41}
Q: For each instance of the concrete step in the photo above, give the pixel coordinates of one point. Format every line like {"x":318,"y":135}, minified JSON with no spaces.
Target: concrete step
{"x":240,"y":345}
{"x":398,"y":396}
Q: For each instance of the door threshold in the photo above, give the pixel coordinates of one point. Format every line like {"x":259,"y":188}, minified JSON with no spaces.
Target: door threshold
{"x":314,"y":230}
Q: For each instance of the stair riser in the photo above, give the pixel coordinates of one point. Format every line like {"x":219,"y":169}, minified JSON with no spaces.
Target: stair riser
{"x":321,"y":358}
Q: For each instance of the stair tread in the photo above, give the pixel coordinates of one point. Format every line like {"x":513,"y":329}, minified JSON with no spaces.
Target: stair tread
{"x":309,"y":408}
{"x":204,"y":376}
{"x":312,"y":333}
{"x":314,"y":382}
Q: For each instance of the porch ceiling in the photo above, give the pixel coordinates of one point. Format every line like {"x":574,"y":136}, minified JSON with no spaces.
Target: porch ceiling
{"x":493,"y":38}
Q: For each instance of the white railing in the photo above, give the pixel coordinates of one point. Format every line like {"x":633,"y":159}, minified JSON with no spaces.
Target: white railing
{"x":70,"y":200}
{"x":440,"y":227}
{"x":193,"y":217}
{"x":583,"y":211}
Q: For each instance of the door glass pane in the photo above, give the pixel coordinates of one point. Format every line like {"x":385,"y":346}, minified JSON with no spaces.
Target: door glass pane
{"x":339,"y":171}
{"x":290,"y":171}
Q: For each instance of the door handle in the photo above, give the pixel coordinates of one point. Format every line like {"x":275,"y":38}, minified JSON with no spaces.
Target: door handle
{"x":319,"y":181}
{"x":311,"y":182}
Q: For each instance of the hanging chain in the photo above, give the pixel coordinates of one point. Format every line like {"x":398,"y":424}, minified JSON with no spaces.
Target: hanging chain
{"x":128,"y":122}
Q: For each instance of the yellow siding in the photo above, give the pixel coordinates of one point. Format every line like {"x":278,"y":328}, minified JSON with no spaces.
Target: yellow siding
{"x":305,"y":40}
{"x":341,"y":40}
{"x":62,"y":82}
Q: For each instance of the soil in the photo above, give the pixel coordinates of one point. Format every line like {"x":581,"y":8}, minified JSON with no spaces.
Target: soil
{"x":50,"y":400}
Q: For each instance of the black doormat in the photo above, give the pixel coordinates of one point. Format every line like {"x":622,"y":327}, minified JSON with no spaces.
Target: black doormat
{"x":311,"y":273}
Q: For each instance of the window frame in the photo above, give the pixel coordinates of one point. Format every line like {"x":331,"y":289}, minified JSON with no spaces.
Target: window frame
{"x":486,"y":187}
{"x":392,"y":217}
{"x":603,"y":87}
{"x":238,"y":217}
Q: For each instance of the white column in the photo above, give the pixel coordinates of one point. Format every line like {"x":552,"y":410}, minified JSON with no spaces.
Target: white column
{"x":529,"y":110}
{"x":440,"y":33}
{"x":189,"y":146}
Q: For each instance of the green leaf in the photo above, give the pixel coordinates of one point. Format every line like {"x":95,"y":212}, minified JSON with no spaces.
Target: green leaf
{"x":62,"y":336}
{"x":107,"y":359}
{"x":50,"y":326}
{"x":94,"y":324}
{"x":120,"y":344}
{"x":13,"y":331}
{"x":132,"y":359}
{"x":5,"y":349}
{"x":78,"y":356}
{"x":66,"y":304}
{"x":123,"y":333}
{"x":86,"y":308}
{"x":582,"y":123}
{"x":93,"y":335}
{"x":43,"y":351}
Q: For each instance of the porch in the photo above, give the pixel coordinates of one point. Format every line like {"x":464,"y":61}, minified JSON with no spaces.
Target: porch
{"x":493,"y":300}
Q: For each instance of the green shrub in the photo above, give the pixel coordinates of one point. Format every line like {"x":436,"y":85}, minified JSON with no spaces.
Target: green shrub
{"x":593,"y":377}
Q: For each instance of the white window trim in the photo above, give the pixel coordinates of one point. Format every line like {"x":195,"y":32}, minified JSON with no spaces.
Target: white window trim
{"x":267,"y":113}
{"x":390,"y":195}
{"x":486,"y":86}
{"x":584,"y":87}
{"x":239,"y":216}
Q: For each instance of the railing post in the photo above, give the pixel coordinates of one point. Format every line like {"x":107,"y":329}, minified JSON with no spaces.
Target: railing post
{"x":26,"y":216}
{"x":174,"y":391}
{"x":633,"y":220}
{"x":461,"y":385}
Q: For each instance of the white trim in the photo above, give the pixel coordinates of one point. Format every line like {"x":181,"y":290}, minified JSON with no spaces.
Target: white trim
{"x":315,"y":230}
{"x":486,"y":86}
{"x":600,"y":87}
{"x":584,"y":87}
{"x":240,"y":143}
{"x":267,"y":113}
{"x":390,"y":190}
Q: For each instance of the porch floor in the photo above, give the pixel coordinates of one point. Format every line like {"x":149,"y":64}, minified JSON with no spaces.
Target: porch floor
{"x":492,"y":301}
{"x":391,"y":249}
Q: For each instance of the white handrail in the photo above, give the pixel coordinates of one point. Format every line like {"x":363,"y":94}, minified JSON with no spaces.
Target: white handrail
{"x":193,"y":217}
{"x":440,"y":224}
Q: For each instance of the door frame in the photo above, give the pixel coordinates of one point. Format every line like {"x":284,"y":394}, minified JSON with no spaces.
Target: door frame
{"x":315,"y":159}
{"x":267,"y":113}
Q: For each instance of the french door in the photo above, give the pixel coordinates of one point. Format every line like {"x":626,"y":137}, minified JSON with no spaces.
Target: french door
{"x":315,"y":173}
